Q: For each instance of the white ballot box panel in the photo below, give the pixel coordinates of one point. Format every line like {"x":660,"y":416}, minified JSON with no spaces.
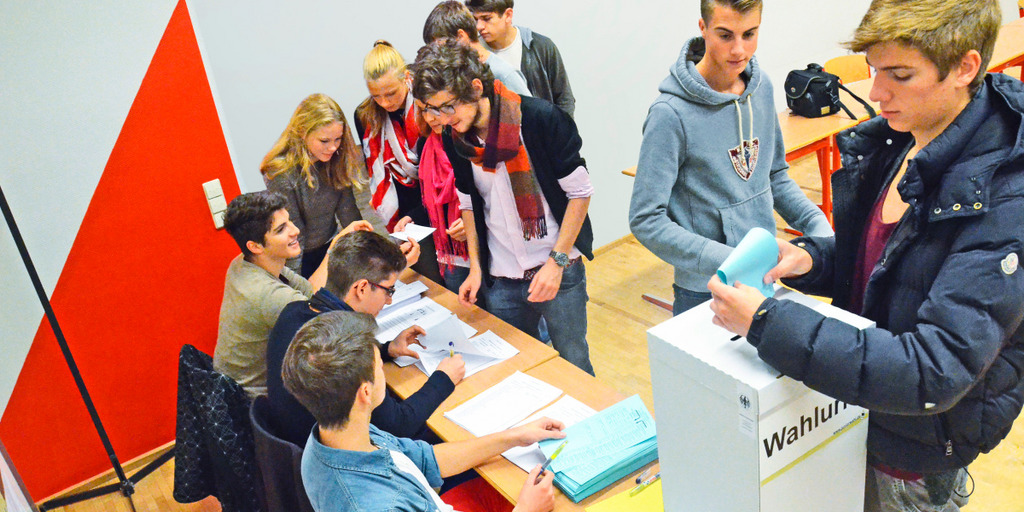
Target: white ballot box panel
{"x":735,"y":435}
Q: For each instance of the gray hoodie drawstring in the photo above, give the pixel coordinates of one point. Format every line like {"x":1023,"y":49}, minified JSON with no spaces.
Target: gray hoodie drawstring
{"x":739,"y":119}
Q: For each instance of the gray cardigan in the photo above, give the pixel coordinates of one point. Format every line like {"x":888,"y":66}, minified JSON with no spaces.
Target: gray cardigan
{"x":321,"y":211}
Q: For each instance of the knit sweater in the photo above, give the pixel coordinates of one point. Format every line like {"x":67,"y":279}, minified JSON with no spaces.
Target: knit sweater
{"x":253,"y":299}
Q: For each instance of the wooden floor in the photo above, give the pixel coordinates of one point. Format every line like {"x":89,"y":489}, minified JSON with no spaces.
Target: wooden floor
{"x":618,"y":320}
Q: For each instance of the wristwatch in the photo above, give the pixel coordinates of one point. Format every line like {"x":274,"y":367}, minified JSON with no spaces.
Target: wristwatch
{"x":561,"y":258}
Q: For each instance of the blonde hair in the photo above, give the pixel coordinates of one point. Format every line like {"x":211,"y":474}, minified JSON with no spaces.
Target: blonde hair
{"x":382,"y":59}
{"x":942,"y":30}
{"x":290,"y":151}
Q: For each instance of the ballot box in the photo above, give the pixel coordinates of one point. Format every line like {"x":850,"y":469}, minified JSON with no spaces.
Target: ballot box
{"x":734,"y":435}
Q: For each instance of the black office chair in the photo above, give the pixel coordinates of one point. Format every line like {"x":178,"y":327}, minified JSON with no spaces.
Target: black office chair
{"x":280,"y":462}
{"x":214,"y":447}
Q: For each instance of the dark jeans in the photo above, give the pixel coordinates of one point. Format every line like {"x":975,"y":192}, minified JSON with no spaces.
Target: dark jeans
{"x":454,"y":278}
{"x":566,"y":314}
{"x":687,"y":299}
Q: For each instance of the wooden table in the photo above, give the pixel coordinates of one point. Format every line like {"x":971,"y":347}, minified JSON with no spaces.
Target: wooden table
{"x":1009,"y":49}
{"x":803,"y":136}
{"x":406,"y":381}
{"x":506,"y":477}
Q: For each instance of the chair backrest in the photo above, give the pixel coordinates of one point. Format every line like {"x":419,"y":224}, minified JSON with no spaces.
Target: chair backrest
{"x":1014,"y":71}
{"x":280,"y":462}
{"x":214,"y":449}
{"x":849,"y":68}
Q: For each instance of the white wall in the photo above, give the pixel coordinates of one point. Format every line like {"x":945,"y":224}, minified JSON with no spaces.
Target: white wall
{"x":70,"y":71}
{"x":264,"y":57}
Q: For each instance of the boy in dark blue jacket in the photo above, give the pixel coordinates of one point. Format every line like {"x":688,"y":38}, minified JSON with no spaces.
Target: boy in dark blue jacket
{"x":928,"y":210}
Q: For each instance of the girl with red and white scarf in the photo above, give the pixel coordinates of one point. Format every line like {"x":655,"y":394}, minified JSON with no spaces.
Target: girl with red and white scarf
{"x":388,"y":131}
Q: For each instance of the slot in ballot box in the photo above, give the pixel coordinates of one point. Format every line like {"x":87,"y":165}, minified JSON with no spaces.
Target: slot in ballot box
{"x":734,"y":435}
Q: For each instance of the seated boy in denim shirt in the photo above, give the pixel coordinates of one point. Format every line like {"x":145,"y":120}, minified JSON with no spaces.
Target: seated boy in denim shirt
{"x":333,"y":367}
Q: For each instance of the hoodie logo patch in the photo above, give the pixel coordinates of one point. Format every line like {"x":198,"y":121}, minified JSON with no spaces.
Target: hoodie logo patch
{"x":744,"y":157}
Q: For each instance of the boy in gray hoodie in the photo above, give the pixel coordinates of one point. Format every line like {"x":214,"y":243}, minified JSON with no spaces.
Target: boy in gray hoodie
{"x":712,"y":163}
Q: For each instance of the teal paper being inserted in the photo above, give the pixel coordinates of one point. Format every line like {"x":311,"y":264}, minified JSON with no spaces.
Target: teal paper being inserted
{"x":753,"y":257}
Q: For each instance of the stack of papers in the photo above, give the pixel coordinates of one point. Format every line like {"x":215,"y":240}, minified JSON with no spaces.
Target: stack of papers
{"x":503,"y":405}
{"x":568,"y":410}
{"x":405,"y":294}
{"x":424,"y":312}
{"x":603,"y":448}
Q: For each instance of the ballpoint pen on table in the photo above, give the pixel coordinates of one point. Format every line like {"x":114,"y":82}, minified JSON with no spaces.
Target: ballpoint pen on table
{"x":547,"y":462}
{"x":451,"y":349}
{"x":645,"y":484}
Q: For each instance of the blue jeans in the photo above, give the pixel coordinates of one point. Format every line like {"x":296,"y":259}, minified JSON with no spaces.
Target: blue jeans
{"x":946,"y":492}
{"x":686,"y":299}
{"x":454,"y":278}
{"x":566,"y":314}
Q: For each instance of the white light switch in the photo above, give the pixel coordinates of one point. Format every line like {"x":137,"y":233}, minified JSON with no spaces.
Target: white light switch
{"x":212,"y":189}
{"x":215,"y":199}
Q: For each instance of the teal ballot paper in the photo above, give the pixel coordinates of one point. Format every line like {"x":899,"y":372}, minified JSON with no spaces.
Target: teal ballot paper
{"x":603,"y":448}
{"x":753,"y":257}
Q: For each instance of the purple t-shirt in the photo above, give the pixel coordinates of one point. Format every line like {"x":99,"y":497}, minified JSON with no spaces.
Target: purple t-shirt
{"x":876,"y":234}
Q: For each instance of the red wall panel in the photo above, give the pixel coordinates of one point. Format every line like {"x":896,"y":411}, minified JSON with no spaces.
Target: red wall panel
{"x":145,"y":276}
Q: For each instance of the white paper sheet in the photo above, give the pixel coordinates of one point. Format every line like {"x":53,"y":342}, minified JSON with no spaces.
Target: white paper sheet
{"x":414,"y":231}
{"x":392,"y":324}
{"x":488,"y":349}
{"x":568,"y":410}
{"x":405,"y":294}
{"x":503,"y":405}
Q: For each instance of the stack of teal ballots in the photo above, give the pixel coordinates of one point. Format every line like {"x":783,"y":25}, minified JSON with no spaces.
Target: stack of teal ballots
{"x":603,"y":448}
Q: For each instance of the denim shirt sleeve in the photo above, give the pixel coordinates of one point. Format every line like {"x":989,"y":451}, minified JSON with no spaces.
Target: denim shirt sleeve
{"x":420,"y":453}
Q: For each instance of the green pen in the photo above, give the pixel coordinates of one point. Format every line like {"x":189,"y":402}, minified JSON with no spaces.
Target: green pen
{"x":547,"y":462}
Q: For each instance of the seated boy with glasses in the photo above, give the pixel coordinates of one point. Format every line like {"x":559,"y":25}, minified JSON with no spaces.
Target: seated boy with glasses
{"x":362,"y":269}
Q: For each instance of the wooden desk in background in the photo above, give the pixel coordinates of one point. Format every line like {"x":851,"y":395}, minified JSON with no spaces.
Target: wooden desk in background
{"x":803,"y":136}
{"x":506,"y":477}
{"x":406,"y":381}
{"x":1009,"y":49}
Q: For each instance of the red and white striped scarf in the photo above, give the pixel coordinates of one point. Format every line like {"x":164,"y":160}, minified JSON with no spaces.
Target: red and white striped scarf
{"x":391,"y":161}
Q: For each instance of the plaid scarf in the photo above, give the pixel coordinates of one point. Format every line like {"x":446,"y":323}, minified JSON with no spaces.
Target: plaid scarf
{"x":504,"y":143}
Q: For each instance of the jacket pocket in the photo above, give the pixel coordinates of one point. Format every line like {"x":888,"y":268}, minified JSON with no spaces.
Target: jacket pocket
{"x":739,"y":218}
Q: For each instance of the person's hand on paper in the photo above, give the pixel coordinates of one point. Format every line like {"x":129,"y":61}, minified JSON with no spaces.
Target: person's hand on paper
{"x":467,"y":292}
{"x":538,"y":430}
{"x":544,"y":285}
{"x":734,"y":306}
{"x":457,"y":231}
{"x":454,"y":367}
{"x":400,"y":345}
{"x":400,"y":225}
{"x":411,"y":250}
{"x":793,"y":261}
{"x":539,"y":496}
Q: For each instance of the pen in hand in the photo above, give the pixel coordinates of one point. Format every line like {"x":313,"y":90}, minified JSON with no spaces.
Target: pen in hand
{"x":547,"y":462}
{"x":451,"y":349}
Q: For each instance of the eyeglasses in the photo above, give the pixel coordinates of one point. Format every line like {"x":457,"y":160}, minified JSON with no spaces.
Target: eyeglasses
{"x":447,"y":108}
{"x":390,"y":290}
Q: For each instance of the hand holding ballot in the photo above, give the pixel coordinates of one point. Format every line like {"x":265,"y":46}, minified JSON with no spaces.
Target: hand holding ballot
{"x":735,"y":303}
